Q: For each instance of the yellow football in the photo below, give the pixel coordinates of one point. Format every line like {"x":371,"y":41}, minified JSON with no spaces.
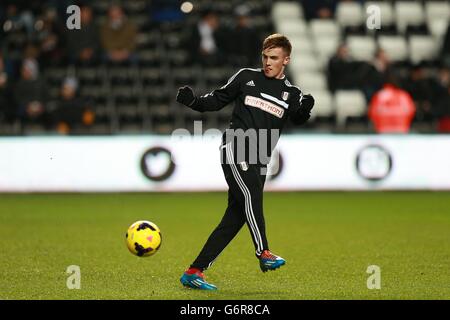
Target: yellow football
{"x":143,"y":238}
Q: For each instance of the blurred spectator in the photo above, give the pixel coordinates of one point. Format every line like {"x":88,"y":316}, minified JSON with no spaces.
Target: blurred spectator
{"x":245,"y":45}
{"x":372,"y":74}
{"x":31,"y":51}
{"x":118,"y":36}
{"x":62,"y":5}
{"x":33,"y":34}
{"x":14,"y":34}
{"x":16,"y":19}
{"x":342,"y":70}
{"x":50,"y":36}
{"x":441,"y":84}
{"x":165,"y":10}
{"x":381,"y":63}
{"x":319,"y":9}
{"x":71,"y":109}
{"x":420,"y":87}
{"x":441,"y":101}
{"x":445,"y":52}
{"x":30,"y":94}
{"x":82,"y":44}
{"x":6,"y":109}
{"x":391,"y":109}
{"x":207,"y":39}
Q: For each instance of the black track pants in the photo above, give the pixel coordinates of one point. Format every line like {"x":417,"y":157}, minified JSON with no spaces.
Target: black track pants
{"x":245,"y":205}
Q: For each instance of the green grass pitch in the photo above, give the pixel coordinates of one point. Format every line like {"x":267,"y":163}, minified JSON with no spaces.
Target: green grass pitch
{"x":328,"y":239}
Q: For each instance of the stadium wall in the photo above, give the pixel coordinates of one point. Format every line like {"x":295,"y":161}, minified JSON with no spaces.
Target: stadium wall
{"x":192,"y":163}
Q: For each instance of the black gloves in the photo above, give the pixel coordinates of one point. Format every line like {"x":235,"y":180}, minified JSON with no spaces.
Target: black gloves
{"x":186,"y":96}
{"x":307,"y":103}
{"x":303,"y":113}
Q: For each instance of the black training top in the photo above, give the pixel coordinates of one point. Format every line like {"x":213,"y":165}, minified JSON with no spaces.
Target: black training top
{"x":260,"y":102}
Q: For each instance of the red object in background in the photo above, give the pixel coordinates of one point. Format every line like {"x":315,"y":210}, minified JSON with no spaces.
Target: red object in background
{"x":392,"y":110}
{"x":444,"y":124}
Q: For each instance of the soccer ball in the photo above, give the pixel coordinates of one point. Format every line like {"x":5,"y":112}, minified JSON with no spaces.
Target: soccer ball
{"x":143,"y":238}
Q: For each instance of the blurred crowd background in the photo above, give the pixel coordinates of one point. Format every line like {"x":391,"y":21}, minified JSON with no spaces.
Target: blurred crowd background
{"x":120,"y":72}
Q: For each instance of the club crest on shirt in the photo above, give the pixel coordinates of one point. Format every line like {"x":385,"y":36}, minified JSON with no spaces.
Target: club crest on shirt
{"x":244,"y":166}
{"x":285,"y":95}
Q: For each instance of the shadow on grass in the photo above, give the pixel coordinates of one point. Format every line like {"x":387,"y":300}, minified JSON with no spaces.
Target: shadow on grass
{"x":261,"y":294}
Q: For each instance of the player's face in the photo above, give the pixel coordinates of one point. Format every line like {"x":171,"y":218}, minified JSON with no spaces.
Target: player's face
{"x":274,"y":61}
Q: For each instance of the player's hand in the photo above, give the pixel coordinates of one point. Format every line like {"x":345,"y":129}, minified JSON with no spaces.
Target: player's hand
{"x":307,"y":102}
{"x":186,"y":96}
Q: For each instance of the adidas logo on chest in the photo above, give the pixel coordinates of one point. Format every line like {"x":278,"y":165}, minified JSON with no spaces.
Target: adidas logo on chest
{"x":250,"y":83}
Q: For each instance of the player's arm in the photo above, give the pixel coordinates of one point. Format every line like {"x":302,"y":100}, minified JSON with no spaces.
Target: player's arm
{"x":213,"y":101}
{"x":300,"y":108}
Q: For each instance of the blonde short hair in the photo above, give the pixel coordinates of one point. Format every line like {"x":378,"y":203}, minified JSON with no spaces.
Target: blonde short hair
{"x":277,"y":40}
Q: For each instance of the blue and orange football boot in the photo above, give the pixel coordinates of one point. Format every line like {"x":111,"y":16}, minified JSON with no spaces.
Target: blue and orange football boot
{"x":195,"y":279}
{"x":270,"y":261}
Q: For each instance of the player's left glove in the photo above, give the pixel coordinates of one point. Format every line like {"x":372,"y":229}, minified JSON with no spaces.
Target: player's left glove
{"x":307,"y":103}
{"x":302,"y":112}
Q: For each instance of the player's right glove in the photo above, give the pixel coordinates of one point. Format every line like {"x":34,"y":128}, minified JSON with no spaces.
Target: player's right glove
{"x":186,"y":96}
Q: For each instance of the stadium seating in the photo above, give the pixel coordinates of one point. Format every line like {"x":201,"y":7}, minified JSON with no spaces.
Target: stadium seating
{"x":408,"y":13}
{"x":312,"y":81}
{"x":285,"y":10}
{"x":324,"y":28}
{"x":324,"y":104}
{"x":141,"y":98}
{"x":325,"y":48}
{"x":403,"y":36}
{"x":361,"y":47}
{"x":350,"y":103}
{"x":395,"y":47}
{"x":437,"y":10}
{"x":349,"y":14}
{"x":422,"y":48}
{"x":291,"y":28}
{"x":304,"y":63}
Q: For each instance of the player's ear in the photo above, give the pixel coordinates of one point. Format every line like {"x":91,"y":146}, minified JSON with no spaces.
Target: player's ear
{"x":286,"y":60}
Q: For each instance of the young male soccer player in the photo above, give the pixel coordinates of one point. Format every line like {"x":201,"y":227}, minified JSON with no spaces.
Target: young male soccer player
{"x":264,"y":100}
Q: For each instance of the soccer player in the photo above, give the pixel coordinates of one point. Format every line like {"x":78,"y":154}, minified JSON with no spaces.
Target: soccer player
{"x":264,"y":101}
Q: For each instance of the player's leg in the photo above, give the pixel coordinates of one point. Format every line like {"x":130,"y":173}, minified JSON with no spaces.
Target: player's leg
{"x":229,"y":226}
{"x":248,"y":191}
{"x":251,"y":180}
{"x":231,"y":223}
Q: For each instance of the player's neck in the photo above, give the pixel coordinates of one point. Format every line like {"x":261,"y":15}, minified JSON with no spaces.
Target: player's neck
{"x":281,"y":75}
